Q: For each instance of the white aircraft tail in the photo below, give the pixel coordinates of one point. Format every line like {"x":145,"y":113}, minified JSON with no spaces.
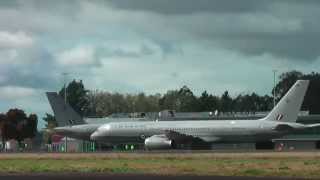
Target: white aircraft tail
{"x":289,"y":106}
{"x":63,"y":112}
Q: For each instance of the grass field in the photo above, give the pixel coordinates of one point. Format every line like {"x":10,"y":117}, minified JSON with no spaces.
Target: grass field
{"x":289,"y":164}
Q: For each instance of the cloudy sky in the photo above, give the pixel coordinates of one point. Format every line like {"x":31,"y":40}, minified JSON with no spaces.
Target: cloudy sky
{"x":131,"y":46}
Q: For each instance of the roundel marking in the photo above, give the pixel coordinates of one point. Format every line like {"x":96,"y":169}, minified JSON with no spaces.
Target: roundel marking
{"x":142,"y":136}
{"x":279,"y":117}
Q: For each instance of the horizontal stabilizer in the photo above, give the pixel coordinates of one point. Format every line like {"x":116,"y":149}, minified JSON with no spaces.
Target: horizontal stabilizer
{"x":313,"y":125}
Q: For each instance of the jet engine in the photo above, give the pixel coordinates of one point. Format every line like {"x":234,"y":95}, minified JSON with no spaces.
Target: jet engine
{"x":159,"y":142}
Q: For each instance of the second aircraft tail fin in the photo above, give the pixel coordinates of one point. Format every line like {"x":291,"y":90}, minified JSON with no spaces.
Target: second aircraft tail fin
{"x":63,"y":112}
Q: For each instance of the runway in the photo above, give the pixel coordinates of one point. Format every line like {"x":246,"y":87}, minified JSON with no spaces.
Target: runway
{"x":126,"y":177}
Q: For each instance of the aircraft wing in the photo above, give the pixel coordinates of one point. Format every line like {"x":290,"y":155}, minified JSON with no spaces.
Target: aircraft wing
{"x":287,"y":127}
{"x":184,"y":137}
{"x":283,"y":127}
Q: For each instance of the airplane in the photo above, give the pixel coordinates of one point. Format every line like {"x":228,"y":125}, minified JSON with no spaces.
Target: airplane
{"x":170,"y":134}
{"x":71,"y":124}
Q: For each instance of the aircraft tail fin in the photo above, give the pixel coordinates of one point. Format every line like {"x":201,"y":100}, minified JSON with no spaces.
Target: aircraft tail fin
{"x":289,"y":106}
{"x":64,"y":113}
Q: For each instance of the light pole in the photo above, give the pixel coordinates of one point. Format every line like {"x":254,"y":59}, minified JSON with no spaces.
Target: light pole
{"x":65,"y":74}
{"x":274,"y":87}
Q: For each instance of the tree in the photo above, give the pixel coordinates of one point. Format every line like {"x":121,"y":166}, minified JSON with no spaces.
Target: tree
{"x":143,"y":103}
{"x":312,"y":97}
{"x":51,"y":123}
{"x":29,"y":127}
{"x":254,"y":102}
{"x":50,"y":120}
{"x":286,"y":81}
{"x":208,"y":102}
{"x":266,"y":103}
{"x":153,"y":101}
{"x":181,"y":100}
{"x":226,"y":102}
{"x":103,"y":103}
{"x":99,"y":104}
{"x":33,"y":125}
{"x":188,"y":102}
{"x":16,"y":119}
{"x":3,"y":121}
{"x":240,"y":103}
{"x":170,"y":100}
{"x":16,"y":125}
{"x":76,"y":96}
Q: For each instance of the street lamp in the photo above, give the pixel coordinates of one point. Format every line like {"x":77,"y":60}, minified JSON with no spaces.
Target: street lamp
{"x":65,"y":74}
{"x":274,"y":87}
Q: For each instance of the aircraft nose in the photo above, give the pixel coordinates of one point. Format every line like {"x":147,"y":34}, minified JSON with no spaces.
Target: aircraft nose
{"x":101,"y":133}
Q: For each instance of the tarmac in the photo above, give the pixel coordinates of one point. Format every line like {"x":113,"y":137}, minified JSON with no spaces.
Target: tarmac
{"x":128,"y":177}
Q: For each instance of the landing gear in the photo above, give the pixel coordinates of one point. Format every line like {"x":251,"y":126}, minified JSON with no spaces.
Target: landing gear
{"x":318,"y":145}
{"x":200,"y":146}
{"x":125,"y":147}
{"x":265,"y":145}
{"x":129,"y":147}
{"x":173,"y":144}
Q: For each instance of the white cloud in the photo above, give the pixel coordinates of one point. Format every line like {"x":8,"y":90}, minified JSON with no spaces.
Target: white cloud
{"x":15,"y":40}
{"x":14,"y":46}
{"x":15,"y":92}
{"x":81,"y":55}
{"x":39,"y":39}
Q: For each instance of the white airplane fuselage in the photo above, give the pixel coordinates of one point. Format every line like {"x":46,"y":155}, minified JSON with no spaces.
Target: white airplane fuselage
{"x":226,"y":131}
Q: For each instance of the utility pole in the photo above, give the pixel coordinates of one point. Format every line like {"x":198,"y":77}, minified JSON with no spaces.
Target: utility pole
{"x":65,"y":86}
{"x":65,"y":74}
{"x":274,"y":87}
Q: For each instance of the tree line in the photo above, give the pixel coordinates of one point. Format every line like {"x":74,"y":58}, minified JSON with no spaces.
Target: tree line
{"x":15,"y":124}
{"x":103,"y":103}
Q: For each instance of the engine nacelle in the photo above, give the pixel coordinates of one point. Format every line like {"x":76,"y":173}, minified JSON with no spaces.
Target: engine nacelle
{"x":158,"y":142}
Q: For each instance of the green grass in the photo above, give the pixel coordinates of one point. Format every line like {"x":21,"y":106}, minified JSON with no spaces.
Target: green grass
{"x":190,"y":164}
{"x":253,"y":172}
